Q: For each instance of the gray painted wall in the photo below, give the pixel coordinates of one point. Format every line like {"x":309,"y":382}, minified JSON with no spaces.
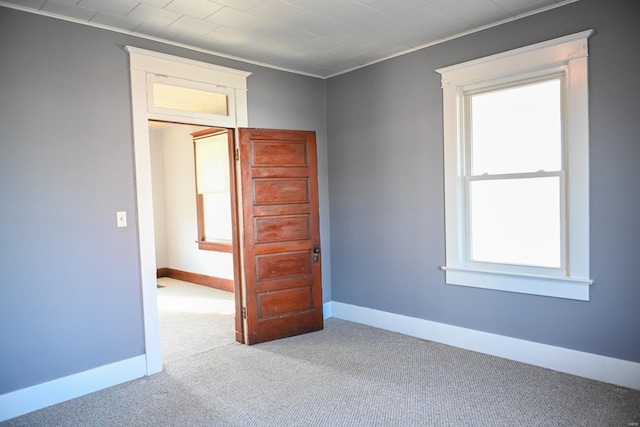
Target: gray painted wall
{"x":69,"y":280}
{"x":70,"y":296}
{"x":386,"y":188}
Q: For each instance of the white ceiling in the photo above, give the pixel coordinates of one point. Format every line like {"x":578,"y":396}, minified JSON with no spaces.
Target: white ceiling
{"x":315,"y":37}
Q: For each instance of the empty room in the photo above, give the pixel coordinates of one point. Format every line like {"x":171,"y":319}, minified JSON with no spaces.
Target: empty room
{"x":429,"y":211}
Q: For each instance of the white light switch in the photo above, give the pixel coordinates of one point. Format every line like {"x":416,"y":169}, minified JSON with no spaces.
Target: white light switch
{"x":121,"y":218}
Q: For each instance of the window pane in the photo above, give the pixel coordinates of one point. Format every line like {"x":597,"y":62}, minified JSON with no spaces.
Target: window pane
{"x":217,"y":216}
{"x":516,"y":221}
{"x":212,"y":164}
{"x":188,"y":99}
{"x":517,"y":129}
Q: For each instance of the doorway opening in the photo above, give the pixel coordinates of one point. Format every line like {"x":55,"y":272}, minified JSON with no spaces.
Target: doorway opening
{"x":192,"y":212}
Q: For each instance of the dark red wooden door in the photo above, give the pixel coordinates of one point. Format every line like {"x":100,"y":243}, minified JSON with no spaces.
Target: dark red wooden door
{"x":281,"y":234}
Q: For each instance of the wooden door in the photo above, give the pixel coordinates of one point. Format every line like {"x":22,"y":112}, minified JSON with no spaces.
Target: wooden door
{"x":281,"y":234}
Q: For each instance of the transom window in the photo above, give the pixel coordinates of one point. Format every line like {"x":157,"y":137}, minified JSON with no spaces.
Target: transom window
{"x":184,"y":98}
{"x":516,"y":170}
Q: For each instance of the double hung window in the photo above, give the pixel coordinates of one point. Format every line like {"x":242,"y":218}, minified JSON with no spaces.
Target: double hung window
{"x":213,"y":198}
{"x":516,"y":170}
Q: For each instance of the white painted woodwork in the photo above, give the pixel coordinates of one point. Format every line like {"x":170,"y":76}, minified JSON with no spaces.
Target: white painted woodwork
{"x":142,"y":63}
{"x":565,"y":57}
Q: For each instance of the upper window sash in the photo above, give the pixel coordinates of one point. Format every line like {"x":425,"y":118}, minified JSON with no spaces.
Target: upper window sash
{"x":472,"y":109}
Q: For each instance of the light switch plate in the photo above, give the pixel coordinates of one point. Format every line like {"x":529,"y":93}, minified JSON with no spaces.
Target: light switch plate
{"x":121,"y":218}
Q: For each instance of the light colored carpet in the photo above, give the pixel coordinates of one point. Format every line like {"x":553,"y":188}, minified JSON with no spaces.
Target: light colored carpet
{"x":193,"y":319}
{"x":346,"y":375}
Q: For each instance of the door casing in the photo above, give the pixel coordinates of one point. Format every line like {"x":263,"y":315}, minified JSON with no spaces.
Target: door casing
{"x":142,"y":63}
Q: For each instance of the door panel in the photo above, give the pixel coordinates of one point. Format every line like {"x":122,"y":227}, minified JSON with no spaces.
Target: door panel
{"x":282,"y":267}
{"x":282,"y":228}
{"x":280,"y":191}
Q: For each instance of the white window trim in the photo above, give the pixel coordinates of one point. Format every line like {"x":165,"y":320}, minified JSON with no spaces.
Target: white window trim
{"x":567,"y":55}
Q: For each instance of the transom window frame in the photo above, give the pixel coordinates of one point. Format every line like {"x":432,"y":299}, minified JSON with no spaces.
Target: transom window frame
{"x":566,"y":58}
{"x":227,"y":120}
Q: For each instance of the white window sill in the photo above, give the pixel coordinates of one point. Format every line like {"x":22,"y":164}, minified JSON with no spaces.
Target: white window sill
{"x":552,"y":286}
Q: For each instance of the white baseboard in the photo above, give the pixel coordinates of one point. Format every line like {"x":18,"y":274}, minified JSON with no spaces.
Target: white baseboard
{"x":30,"y":399}
{"x":326,"y":310}
{"x":588,"y":365}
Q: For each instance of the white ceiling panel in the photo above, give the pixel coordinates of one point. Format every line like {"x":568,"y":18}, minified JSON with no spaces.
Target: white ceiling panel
{"x":71,"y":2}
{"x":114,"y":7}
{"x":159,"y":32}
{"x":196,"y":27}
{"x":30,"y":4}
{"x":396,"y":8}
{"x":153,"y":16}
{"x":277,"y":34}
{"x":230,"y":38}
{"x":195,"y":9}
{"x":319,"y":6}
{"x":275,"y":10}
{"x":516,"y":7}
{"x":69,"y":10}
{"x":363,"y":17}
{"x":437,"y":21}
{"x":113,"y":21}
{"x":477,"y":13}
{"x":320,"y":45}
{"x":315,"y":37}
{"x":242,"y":5}
{"x":231,"y":18}
{"x":321,"y":25}
{"x":156,"y":3}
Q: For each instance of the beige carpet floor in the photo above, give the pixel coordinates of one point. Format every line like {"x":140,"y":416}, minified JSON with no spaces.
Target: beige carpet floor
{"x":346,"y":375}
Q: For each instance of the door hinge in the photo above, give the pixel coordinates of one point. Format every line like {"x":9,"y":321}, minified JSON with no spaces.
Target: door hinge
{"x":244,"y":312}
{"x":237,"y":154}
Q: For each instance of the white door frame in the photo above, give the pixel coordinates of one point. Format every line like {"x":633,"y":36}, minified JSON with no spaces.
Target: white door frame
{"x":142,"y":63}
